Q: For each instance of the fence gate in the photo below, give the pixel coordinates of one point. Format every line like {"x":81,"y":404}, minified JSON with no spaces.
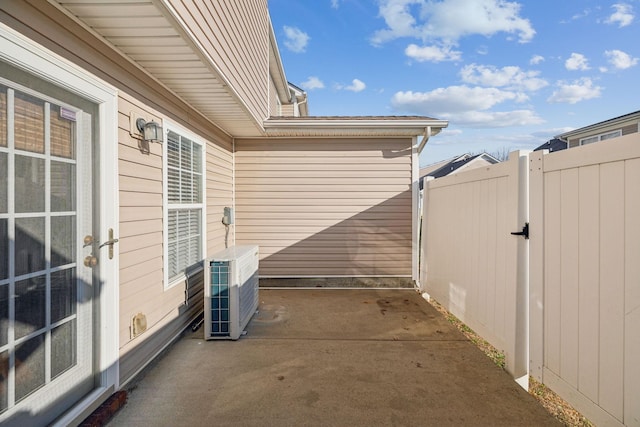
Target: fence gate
{"x":585,"y":277}
{"x":471,"y":263}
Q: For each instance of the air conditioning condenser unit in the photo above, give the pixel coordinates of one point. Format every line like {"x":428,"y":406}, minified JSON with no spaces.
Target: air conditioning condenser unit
{"x":231,"y":292}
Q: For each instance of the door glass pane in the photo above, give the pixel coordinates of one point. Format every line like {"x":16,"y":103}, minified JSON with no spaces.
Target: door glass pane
{"x":63,"y":348}
{"x":4,"y":182}
{"x":4,"y":376}
{"x":29,"y":245}
{"x":62,"y":132}
{"x":30,"y":367}
{"x":30,"y":305}
{"x":63,"y":294}
{"x":4,"y":314}
{"x":29,"y":123}
{"x":63,"y":186}
{"x":63,"y":239}
{"x":4,"y":249}
{"x":3,"y":116}
{"x":29,"y":173}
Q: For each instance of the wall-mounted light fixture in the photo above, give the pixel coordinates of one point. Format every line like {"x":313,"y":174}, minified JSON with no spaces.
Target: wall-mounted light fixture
{"x":151,"y":131}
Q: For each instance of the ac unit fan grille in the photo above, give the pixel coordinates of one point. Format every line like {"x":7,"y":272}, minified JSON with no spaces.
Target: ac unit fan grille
{"x":220,"y":321}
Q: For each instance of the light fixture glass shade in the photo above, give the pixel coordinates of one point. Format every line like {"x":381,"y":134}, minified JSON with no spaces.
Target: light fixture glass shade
{"x":152,"y":132}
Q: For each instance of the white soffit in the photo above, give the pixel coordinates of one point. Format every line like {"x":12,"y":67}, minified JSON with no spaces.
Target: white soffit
{"x":140,"y":31}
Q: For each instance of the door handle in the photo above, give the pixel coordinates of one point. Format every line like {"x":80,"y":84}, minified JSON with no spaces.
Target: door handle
{"x":524,"y":232}
{"x":110,"y":243}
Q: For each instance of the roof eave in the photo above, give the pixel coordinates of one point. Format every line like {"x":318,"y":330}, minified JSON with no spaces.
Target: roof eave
{"x":351,"y":128}
{"x":276,"y":69}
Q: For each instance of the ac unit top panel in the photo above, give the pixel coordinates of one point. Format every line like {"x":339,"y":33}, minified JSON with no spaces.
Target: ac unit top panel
{"x":234,"y":253}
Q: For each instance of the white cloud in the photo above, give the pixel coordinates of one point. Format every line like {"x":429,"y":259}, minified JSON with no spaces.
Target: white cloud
{"x":577,"y":16}
{"x":432,"y":53}
{"x":355,"y":86}
{"x":577,"y":61}
{"x":620,"y":60}
{"x":453,"y":19}
{"x":335,"y":4}
{"x":536,"y":59}
{"x":497,"y":119}
{"x":312,"y":83}
{"x":622,"y":16}
{"x":466,"y":106}
{"x":296,"y":39}
{"x":482,"y":50}
{"x":511,"y":77}
{"x":452,"y":99}
{"x":399,"y":19}
{"x":450,"y":20}
{"x":574,"y":92}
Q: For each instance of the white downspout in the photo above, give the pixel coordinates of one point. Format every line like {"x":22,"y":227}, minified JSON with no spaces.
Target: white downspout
{"x":425,"y":138}
{"x":415,"y":205}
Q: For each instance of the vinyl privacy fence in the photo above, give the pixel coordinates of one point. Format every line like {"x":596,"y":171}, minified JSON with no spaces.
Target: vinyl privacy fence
{"x":563,"y":305}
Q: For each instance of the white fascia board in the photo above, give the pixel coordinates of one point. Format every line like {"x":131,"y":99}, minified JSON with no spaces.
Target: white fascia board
{"x":419,"y":125}
{"x":276,"y":69}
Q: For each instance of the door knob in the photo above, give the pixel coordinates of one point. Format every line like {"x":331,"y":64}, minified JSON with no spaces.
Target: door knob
{"x":87,"y":241}
{"x":90,"y":261}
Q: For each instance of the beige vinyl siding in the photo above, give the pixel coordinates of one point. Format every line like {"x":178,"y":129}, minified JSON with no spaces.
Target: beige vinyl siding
{"x":326,"y":207}
{"x":287,"y":110}
{"x":236,"y":36}
{"x":219,"y":164}
{"x":274,"y":105}
{"x":142,"y":289}
{"x":628,"y":129}
{"x":140,"y":246}
{"x":47,"y":25}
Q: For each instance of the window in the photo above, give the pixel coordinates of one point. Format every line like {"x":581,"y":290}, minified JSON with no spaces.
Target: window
{"x":184,"y":207}
{"x":601,"y":137}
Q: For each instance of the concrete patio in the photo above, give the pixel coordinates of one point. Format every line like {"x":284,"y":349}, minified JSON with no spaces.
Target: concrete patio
{"x":332,"y":357}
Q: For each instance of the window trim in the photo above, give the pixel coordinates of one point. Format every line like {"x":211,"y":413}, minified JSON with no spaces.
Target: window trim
{"x":168,"y":126}
{"x":599,"y":136}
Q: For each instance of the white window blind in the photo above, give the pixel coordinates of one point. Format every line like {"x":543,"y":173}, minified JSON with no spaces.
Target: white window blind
{"x":184,"y":203}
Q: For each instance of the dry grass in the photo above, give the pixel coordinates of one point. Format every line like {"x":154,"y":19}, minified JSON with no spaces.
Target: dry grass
{"x":553,"y":403}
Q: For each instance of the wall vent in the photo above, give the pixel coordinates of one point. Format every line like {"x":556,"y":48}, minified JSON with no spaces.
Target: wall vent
{"x":231,"y":292}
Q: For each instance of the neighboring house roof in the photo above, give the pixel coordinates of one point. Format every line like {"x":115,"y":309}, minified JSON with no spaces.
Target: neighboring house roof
{"x":466,"y":161}
{"x":426,"y":170}
{"x":594,"y":128}
{"x":552,"y":145}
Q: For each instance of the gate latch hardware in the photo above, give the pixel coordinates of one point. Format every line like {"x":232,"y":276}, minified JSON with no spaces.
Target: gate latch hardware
{"x":110,"y":243}
{"x":524,"y":232}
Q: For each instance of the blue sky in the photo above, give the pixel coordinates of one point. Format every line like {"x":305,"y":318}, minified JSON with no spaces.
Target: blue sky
{"x":507,"y":75}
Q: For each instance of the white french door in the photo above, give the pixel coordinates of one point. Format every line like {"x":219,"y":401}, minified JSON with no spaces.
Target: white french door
{"x":47,"y":343}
